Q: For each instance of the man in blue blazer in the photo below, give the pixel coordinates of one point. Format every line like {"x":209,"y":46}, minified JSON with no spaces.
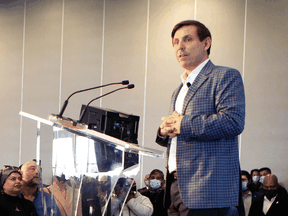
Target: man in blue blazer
{"x":207,"y":114}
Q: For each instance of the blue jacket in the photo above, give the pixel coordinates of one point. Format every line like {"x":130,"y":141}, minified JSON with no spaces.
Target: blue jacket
{"x":207,"y":146}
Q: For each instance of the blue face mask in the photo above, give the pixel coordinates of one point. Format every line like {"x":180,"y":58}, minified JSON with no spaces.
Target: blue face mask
{"x":155,"y":184}
{"x":244,"y":186}
{"x":255,"y":179}
{"x":261,"y":179}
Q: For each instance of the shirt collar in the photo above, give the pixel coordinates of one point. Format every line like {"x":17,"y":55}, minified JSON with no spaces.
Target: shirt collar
{"x":249,"y":194}
{"x":190,"y":78}
{"x":272,"y":199}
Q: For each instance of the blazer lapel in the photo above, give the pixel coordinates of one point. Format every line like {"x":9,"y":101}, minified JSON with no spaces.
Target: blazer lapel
{"x":199,"y":80}
{"x":174,"y":98}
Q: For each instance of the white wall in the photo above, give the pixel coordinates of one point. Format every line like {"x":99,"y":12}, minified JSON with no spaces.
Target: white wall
{"x":52,"y":48}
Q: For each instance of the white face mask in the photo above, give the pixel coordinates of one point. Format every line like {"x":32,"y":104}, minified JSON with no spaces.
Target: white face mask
{"x":255,"y":179}
{"x":155,"y":184}
{"x":244,"y":186}
{"x":262,"y":179}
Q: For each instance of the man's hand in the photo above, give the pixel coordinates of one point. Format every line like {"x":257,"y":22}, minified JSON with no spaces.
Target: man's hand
{"x":171,"y":125}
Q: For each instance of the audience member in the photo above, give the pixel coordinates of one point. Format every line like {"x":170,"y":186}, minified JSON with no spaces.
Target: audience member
{"x":263,"y":172}
{"x":274,"y":201}
{"x":10,"y":202}
{"x":255,"y":186}
{"x":156,"y":192}
{"x":146,"y":182}
{"x":247,"y":195}
{"x":137,"y":204}
{"x":104,"y":189}
{"x":89,"y":197}
{"x":30,"y":190}
{"x":63,"y":195}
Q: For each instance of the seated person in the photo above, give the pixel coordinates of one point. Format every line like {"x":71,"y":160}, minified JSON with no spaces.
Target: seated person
{"x":63,"y":195}
{"x":31,"y":190}
{"x":273,"y":202}
{"x":135,"y":204}
{"x":10,"y":202}
{"x":89,"y":195}
{"x":146,"y":182}
{"x":155,"y":192}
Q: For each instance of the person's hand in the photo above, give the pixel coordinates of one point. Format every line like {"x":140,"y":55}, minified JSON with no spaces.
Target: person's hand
{"x":171,"y":125}
{"x":131,"y":195}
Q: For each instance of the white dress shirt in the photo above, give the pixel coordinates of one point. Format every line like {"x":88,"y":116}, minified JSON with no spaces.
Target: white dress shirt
{"x":267,"y":204}
{"x":179,"y":106}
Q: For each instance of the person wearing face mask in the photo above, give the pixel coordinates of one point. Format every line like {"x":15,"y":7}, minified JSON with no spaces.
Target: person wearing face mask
{"x":263,"y":172}
{"x":146,"y":182}
{"x":156,"y":192}
{"x":247,"y":195}
{"x":10,"y":202}
{"x":256,"y":184}
{"x":273,"y":202}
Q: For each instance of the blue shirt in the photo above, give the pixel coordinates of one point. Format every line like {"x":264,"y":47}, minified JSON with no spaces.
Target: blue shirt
{"x":39,"y":206}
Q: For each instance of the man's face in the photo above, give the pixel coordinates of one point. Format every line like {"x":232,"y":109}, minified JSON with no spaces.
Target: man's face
{"x":245,"y":179}
{"x":189,"y":50}
{"x":270,"y":183}
{"x":255,"y":173}
{"x":264,"y":173}
{"x":157,"y":176}
{"x":30,"y":173}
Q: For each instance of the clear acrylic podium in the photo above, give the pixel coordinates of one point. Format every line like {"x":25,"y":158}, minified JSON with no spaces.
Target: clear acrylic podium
{"x":92,"y":172}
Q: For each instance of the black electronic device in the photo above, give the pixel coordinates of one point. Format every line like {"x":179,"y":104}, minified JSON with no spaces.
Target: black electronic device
{"x":116,"y":124}
{"x":119,"y":125}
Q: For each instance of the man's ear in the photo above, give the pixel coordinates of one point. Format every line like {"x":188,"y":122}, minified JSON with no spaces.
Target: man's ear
{"x":207,"y":43}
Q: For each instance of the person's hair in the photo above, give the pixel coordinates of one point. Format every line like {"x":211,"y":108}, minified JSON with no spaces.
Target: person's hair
{"x":265,"y":168}
{"x":157,"y":171}
{"x":254,"y":170}
{"x":4,"y":174}
{"x":202,"y":31}
{"x":244,"y":172}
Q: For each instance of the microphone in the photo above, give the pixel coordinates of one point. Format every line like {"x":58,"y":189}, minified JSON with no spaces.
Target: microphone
{"x":131,"y":86}
{"x":188,"y":84}
{"x":124,"y":82}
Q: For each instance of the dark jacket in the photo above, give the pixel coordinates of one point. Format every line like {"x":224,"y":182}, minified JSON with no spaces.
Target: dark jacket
{"x":8,"y":205}
{"x":157,"y":199}
{"x":278,"y":208}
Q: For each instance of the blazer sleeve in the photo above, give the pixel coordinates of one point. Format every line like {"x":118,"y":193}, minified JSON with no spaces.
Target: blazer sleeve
{"x":228,"y":117}
{"x":163,"y":141}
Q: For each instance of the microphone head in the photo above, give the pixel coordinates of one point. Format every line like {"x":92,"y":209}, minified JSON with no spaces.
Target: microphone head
{"x":125,"y":82}
{"x":130,"y":86}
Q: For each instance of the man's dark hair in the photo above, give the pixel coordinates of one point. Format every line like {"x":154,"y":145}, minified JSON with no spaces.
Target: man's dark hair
{"x":157,"y":171}
{"x":254,"y":170}
{"x":265,"y":168}
{"x":244,"y":172}
{"x":202,"y":31}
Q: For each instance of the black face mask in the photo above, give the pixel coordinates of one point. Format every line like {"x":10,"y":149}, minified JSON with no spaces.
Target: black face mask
{"x":270,"y":193}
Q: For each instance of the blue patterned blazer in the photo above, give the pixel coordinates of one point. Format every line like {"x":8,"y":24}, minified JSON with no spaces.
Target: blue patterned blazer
{"x":207,"y":146}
